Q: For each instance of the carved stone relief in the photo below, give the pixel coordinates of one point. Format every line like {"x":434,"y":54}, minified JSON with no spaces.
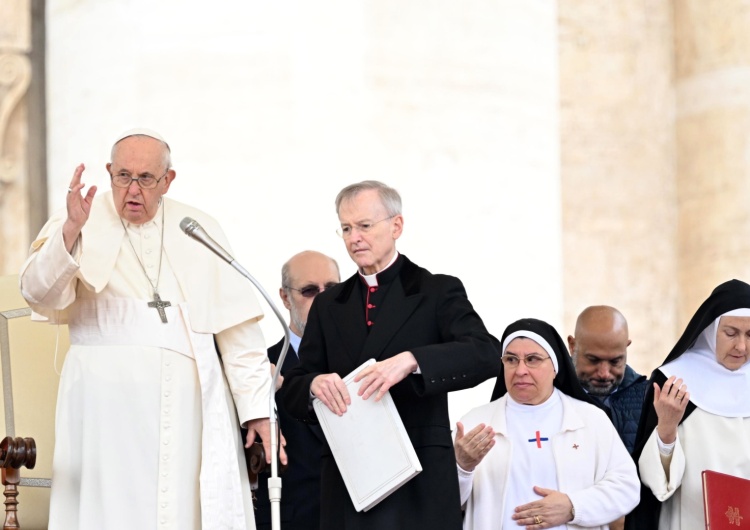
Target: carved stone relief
{"x":15,"y":77}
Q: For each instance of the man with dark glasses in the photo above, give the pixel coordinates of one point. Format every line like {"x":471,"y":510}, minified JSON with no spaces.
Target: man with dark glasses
{"x":302,"y":277}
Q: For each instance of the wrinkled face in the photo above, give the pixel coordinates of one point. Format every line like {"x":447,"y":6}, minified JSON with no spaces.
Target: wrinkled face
{"x":373,"y":249}
{"x":733,"y":342}
{"x":139,"y":156}
{"x":306,"y":272}
{"x":530,"y":386}
{"x":600,"y":359}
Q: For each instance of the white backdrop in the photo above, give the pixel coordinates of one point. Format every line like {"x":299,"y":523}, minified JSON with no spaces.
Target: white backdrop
{"x":272,"y":107}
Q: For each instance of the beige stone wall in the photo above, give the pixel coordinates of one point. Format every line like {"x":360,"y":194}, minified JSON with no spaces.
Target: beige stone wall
{"x":27,"y":404}
{"x":713,"y":124}
{"x":618,"y":167}
{"x":15,"y":76}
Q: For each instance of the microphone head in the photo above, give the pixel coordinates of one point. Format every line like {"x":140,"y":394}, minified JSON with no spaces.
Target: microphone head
{"x":189,"y":225}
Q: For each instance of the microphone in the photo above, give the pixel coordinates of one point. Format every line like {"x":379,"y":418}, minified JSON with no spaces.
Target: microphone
{"x":191,"y":227}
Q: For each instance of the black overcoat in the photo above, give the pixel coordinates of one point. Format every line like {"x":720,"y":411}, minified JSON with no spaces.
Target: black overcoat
{"x":431,"y":316}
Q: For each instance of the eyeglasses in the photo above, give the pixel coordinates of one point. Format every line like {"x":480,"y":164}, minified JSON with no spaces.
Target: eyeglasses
{"x":345,"y":231}
{"x":532,"y":360}
{"x":311,"y":291}
{"x":146,"y":182}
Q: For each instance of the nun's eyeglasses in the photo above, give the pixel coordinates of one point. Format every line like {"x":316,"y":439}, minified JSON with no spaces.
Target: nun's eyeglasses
{"x":532,"y":361}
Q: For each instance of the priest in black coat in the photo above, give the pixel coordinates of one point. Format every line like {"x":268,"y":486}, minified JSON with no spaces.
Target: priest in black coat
{"x":427,"y":341}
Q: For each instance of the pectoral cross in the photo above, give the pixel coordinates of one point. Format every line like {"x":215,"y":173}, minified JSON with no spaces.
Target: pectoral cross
{"x":160,"y":305}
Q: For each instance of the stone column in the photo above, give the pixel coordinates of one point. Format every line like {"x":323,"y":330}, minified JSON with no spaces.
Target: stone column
{"x":617,"y":167}
{"x":712,"y":73}
{"x":15,"y":76}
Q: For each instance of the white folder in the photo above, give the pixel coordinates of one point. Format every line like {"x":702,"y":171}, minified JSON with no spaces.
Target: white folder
{"x":370,"y":445}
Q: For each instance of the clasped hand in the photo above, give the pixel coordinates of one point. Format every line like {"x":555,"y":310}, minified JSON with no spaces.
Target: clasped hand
{"x":375,"y":379}
{"x":553,"y":509}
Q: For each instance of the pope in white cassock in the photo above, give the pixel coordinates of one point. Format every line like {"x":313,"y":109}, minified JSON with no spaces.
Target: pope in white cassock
{"x":146,"y":425}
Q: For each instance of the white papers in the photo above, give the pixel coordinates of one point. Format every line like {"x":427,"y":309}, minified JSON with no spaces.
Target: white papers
{"x":370,"y":445}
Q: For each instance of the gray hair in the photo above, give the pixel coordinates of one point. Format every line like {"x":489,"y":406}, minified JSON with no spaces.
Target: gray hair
{"x":166,"y":155}
{"x":389,"y":197}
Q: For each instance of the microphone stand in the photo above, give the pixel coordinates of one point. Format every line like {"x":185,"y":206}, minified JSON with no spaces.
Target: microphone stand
{"x":194,"y":230}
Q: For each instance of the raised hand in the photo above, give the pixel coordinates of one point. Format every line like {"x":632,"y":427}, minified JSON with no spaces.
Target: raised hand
{"x":79,"y":208}
{"x":670,"y":402}
{"x":473,"y":447}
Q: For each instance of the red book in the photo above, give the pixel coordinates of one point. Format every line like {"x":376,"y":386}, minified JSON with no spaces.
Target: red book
{"x":726,"y":501}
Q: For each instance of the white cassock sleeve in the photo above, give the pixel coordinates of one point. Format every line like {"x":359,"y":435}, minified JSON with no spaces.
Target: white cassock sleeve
{"x":247,"y":369}
{"x":663,"y":475}
{"x":47,"y":278}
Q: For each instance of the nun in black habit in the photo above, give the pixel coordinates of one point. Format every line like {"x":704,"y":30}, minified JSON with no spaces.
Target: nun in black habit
{"x":542,"y":454}
{"x":696,"y":414}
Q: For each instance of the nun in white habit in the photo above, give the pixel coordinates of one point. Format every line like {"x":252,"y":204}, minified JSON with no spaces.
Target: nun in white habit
{"x":542,"y":455}
{"x":696,"y":414}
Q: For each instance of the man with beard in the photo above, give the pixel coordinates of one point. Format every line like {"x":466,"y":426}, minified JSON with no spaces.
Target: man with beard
{"x":303,"y":277}
{"x":600,"y":352}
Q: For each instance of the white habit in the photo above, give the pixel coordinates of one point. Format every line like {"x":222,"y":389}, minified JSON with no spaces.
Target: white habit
{"x":715,"y":436}
{"x":146,"y":426}
{"x":704,"y":441}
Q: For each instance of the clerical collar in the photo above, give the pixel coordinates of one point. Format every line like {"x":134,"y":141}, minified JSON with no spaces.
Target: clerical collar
{"x":372,"y":279}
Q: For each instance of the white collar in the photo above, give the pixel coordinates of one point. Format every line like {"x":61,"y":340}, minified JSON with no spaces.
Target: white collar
{"x":372,"y":279}
{"x":712,"y":387}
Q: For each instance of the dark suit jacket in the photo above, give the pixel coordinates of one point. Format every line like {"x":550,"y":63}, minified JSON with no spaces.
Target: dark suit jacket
{"x":431,"y":316}
{"x":300,"y":483}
